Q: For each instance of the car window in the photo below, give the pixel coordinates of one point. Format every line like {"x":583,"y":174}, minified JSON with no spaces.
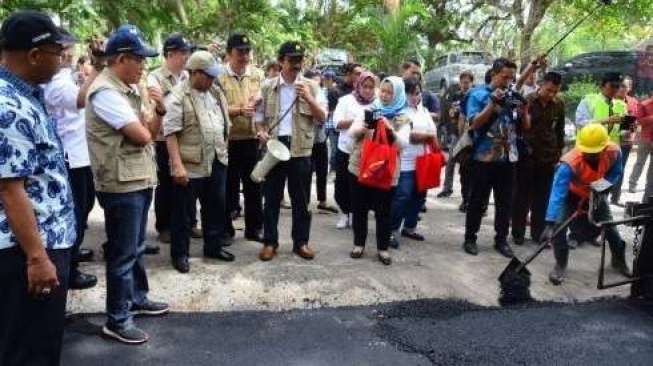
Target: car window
{"x":470,"y":58}
{"x":441,"y":61}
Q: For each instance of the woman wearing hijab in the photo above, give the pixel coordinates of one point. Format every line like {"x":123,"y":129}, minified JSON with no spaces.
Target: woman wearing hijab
{"x":392,"y":105}
{"x":413,"y":137}
{"x":350,"y":108}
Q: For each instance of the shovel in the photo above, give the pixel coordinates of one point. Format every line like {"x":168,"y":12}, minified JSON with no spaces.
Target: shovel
{"x":515,"y":281}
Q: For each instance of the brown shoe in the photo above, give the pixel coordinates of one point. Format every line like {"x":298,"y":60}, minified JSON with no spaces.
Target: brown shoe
{"x":267,"y":253}
{"x":305,"y":252}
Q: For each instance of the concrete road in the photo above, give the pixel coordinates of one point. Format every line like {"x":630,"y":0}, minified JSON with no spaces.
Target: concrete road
{"x":423,"y":332}
{"x":436,"y":268}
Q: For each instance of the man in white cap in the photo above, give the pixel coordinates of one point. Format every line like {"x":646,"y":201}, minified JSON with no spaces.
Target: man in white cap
{"x":197,"y":129}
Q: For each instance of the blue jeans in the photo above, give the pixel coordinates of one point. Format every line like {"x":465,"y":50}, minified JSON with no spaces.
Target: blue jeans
{"x":406,"y":202}
{"x":125,"y":222}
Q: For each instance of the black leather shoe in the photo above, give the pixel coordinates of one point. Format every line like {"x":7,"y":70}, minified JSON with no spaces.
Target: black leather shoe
{"x":518,"y":240}
{"x":258,"y":237}
{"x":394,"y":243}
{"x":412,"y":235}
{"x":181,"y":264}
{"x":470,"y":247}
{"x":84,"y":255}
{"x":152,"y":249}
{"x":221,"y":254}
{"x":504,"y":249}
{"x":445,"y":194}
{"x":82,"y":281}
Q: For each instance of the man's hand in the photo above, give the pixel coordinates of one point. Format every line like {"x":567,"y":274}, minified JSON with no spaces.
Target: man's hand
{"x":263,"y":137}
{"x":41,"y":276}
{"x":304,"y":92}
{"x":498,"y":95}
{"x":180,"y":176}
{"x":248,"y":111}
{"x":156,"y":95}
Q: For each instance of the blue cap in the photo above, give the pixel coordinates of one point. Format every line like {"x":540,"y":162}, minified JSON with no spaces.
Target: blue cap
{"x":176,"y":42}
{"x":329,"y":75}
{"x":128,"y":39}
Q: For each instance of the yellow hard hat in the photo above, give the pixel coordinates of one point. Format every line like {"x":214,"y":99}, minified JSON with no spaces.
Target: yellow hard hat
{"x":592,"y":138}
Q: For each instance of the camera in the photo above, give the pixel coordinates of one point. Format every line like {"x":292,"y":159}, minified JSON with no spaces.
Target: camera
{"x":371,"y":117}
{"x":512,"y":100}
{"x":627,"y":124}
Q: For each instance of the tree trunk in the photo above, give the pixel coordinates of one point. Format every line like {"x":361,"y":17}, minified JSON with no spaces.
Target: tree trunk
{"x":391,"y":6}
{"x":181,"y":10}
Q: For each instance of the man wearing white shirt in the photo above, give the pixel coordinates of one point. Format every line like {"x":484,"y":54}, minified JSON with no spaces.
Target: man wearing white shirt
{"x":65,"y":102}
{"x":293,"y":100}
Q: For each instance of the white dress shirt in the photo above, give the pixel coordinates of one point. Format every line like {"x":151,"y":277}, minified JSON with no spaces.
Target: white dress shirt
{"x":61,"y":102}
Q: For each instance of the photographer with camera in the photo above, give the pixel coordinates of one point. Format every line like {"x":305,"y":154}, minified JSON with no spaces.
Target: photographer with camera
{"x":495,"y":113}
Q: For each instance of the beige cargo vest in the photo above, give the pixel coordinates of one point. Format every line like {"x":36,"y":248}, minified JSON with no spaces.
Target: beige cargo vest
{"x":302,"y":118}
{"x":239,"y":90}
{"x":203,"y":137}
{"x":167,"y":81}
{"x":118,"y":165}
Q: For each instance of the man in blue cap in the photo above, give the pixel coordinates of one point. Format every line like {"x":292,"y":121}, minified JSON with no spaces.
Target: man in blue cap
{"x":120,"y":142}
{"x":36,"y":204}
{"x":176,"y":50}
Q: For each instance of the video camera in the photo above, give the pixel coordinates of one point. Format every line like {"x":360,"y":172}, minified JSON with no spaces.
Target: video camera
{"x":512,"y":100}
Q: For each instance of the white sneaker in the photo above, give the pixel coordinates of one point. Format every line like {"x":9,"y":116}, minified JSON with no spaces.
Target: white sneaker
{"x":343,"y":222}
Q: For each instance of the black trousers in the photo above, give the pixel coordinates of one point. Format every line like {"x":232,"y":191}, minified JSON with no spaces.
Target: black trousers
{"x":496,"y":178}
{"x":211,"y":193}
{"x":531,"y":195}
{"x":31,"y":328}
{"x":320,"y":166}
{"x":163,"y":196}
{"x":83,"y":189}
{"x":342,"y":193}
{"x":465,"y":171}
{"x":298,"y":173}
{"x":243,"y":156}
{"x":363,"y":200}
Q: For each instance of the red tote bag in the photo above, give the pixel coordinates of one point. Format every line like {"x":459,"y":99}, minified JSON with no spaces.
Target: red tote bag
{"x":378,"y":160}
{"x":428,"y":168}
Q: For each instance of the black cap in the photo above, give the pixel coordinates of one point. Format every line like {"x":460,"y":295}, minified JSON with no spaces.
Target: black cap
{"x":612,"y":77}
{"x":291,"y":48}
{"x":239,"y":41}
{"x":176,"y":42}
{"x":128,"y":39}
{"x":24,"y":30}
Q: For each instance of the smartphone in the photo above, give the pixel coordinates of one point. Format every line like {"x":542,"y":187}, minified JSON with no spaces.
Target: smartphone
{"x":628,"y":123}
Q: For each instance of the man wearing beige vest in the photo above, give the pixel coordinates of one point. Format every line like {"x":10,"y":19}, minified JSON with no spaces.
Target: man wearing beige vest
{"x":176,"y":50}
{"x":293,"y":101}
{"x":242,"y":86}
{"x":196,"y":127}
{"x":122,"y":159}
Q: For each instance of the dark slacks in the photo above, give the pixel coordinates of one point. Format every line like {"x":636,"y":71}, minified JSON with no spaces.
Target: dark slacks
{"x":243,"y":156}
{"x":616,"y":190}
{"x":320,"y":165}
{"x":533,"y":187}
{"x":163,"y":200}
{"x":342,"y":189}
{"x":465,"y":171}
{"x":211,"y":193}
{"x":298,"y":173}
{"x":363,"y":200}
{"x":332,"y":137}
{"x":490,"y":177}
{"x":31,"y":328}
{"x":83,"y":189}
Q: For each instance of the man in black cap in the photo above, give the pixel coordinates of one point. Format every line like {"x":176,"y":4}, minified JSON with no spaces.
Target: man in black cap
{"x":288,"y":112}
{"x":176,"y":50}
{"x":36,"y":203}
{"x":120,"y":144}
{"x":242,"y":86}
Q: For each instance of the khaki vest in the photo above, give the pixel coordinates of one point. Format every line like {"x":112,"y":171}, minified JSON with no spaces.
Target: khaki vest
{"x":202,"y":138}
{"x":238,"y":92}
{"x":302,"y":118}
{"x":166,"y":81}
{"x":118,"y":165}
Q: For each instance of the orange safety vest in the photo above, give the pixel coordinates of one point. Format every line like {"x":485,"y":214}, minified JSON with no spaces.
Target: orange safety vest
{"x":584,"y":174}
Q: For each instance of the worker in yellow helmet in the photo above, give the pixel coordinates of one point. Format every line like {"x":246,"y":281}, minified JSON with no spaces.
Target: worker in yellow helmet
{"x":594,"y":158}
